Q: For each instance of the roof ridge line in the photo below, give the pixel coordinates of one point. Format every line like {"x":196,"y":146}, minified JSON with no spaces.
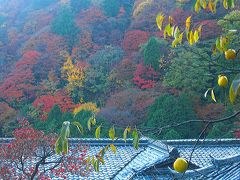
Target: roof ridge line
{"x":125,"y":165}
{"x":217,"y":162}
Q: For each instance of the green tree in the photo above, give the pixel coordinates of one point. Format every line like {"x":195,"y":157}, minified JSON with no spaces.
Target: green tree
{"x":63,"y":24}
{"x":168,"y":109}
{"x":78,"y":5}
{"x":220,"y":130}
{"x":189,"y":71}
{"x":107,"y":58}
{"x":171,"y":134}
{"x":38,"y":4}
{"x":230,"y":25}
{"x":111,"y":7}
{"x":153,"y":50}
{"x":53,"y":123}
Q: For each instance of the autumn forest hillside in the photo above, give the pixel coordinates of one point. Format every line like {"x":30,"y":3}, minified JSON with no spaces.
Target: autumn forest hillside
{"x":61,"y":60}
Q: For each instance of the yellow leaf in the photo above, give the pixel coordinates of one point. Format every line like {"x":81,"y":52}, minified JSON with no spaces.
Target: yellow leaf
{"x":113,"y":148}
{"x":212,"y":6}
{"x":170,"y":20}
{"x":112,"y":133}
{"x":232,"y":95}
{"x":172,"y":30}
{"x":97,"y":132}
{"x":223,"y":43}
{"x":213,"y":96}
{"x":191,"y":38}
{"x":175,"y":42}
{"x":159,"y":20}
{"x":199,"y":30}
{"x":126,"y":131}
{"x":204,"y":4}
{"x":197,"y":6}
{"x":225,"y":4}
{"x":196,"y":36}
{"x":214,"y":49}
{"x":188,"y":22}
{"x":89,"y":124}
{"x":234,"y":90}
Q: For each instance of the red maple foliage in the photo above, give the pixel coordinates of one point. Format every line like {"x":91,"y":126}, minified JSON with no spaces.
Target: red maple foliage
{"x":179,"y":15}
{"x":85,"y":47}
{"x":133,"y":39}
{"x":210,"y":29}
{"x":20,"y":82}
{"x":48,"y":101}
{"x":31,"y":155}
{"x":128,"y":107}
{"x":144,"y":77}
{"x":90,"y":16}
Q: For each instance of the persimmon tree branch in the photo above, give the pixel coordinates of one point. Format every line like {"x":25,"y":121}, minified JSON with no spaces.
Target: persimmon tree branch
{"x":191,"y":121}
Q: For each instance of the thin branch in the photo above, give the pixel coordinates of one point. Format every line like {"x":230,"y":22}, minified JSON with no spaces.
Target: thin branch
{"x":195,"y":145}
{"x":193,"y":121}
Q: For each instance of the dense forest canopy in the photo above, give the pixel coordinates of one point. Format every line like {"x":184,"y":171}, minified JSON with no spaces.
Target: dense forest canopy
{"x":62,"y":59}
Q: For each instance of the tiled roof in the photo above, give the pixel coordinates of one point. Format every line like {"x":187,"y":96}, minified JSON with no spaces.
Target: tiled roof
{"x":153,"y":159}
{"x":212,"y":159}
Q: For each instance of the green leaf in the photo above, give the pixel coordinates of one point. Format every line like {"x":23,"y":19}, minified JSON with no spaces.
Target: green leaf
{"x":65,"y":146}
{"x":65,"y":131}
{"x":231,"y":3}
{"x":96,"y":165}
{"x":234,"y":90}
{"x":126,"y":131}
{"x":114,"y":149}
{"x":97,"y":132}
{"x":93,"y":120}
{"x":79,"y":126}
{"x":89,"y":124}
{"x":112,"y":133}
{"x":176,"y":32}
{"x":135,"y":139}
{"x":167,"y":31}
{"x":58,"y":146}
{"x":218,"y":46}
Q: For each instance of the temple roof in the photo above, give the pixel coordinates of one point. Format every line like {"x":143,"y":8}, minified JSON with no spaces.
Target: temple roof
{"x":212,"y":159}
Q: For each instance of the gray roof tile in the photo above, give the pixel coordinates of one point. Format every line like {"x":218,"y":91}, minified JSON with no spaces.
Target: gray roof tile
{"x":152,"y":159}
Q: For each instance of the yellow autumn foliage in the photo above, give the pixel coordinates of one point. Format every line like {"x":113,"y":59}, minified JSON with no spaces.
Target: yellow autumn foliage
{"x":140,"y":7}
{"x":74,"y":74}
{"x":86,"y":107}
